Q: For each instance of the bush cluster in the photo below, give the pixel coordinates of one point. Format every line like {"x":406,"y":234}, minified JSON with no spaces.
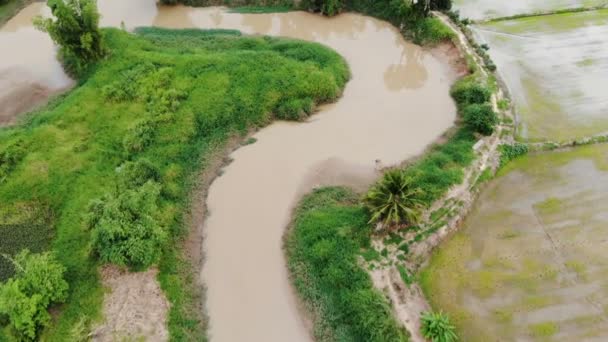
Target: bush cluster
{"x":24,"y":299}
{"x":10,"y":156}
{"x":472,"y":99}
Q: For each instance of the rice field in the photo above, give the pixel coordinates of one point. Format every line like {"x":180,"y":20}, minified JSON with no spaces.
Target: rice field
{"x":556,"y":68}
{"x":487,"y":9}
{"x":531,"y":262}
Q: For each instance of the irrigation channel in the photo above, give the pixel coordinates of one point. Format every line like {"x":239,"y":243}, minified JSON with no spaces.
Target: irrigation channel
{"x":396,"y":104}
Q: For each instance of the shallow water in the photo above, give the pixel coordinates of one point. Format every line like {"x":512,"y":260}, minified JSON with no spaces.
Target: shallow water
{"x":486,"y":9}
{"x":556,"y":68}
{"x":396,"y":104}
{"x":530,"y":262}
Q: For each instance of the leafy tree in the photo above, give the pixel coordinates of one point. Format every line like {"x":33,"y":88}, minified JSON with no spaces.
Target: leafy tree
{"x":24,"y":299}
{"x":125,"y":231}
{"x":480,"y":118}
{"x":394,"y":200}
{"x":75,"y":28}
{"x":437,"y":327}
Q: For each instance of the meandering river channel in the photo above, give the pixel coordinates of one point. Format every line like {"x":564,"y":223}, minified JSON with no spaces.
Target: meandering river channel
{"x":396,"y":103}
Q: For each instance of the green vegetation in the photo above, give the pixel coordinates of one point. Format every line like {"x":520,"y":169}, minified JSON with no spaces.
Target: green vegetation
{"x":24,"y":299}
{"x":121,"y":152}
{"x":436,"y":327}
{"x":509,"y":152}
{"x":480,"y":118}
{"x":75,"y":28}
{"x":323,"y":246}
{"x":393,"y":200}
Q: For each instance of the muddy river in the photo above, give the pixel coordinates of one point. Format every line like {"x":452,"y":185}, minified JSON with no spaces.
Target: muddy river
{"x":395,"y":105}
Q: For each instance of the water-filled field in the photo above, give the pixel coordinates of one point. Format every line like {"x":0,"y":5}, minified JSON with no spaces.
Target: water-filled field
{"x":486,"y":9}
{"x":531,"y":261}
{"x":556,"y":68}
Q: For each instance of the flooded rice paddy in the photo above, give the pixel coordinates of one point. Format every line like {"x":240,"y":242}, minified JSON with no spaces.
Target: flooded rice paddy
{"x":395,"y":105}
{"x":531,"y":262}
{"x":487,"y":9}
{"x":556,"y":68}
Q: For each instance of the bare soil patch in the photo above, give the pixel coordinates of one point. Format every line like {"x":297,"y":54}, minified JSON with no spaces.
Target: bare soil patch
{"x":135,"y":307}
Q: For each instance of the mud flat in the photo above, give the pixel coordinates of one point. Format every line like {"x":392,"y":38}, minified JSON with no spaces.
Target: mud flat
{"x":487,"y":9}
{"x":530,"y":261}
{"x":555,"y":67}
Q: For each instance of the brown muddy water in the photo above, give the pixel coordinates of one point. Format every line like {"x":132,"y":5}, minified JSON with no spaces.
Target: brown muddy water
{"x":395,"y":105}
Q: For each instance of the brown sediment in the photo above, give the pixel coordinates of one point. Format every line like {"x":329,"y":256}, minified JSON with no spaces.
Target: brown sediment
{"x":135,"y":307}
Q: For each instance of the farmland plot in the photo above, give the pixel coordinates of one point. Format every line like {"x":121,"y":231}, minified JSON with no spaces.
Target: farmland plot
{"x":531,"y":262}
{"x":556,"y":68}
{"x":486,"y":9}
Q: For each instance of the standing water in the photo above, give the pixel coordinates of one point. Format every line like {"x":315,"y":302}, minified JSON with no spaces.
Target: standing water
{"x":396,"y":104}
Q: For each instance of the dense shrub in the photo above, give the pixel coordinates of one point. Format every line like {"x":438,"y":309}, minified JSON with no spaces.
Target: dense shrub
{"x":323,"y":248}
{"x":75,"y":28}
{"x":469,"y":91}
{"x":480,"y":118}
{"x":124,"y":229}
{"x":393,"y":200}
{"x":24,"y":299}
{"x":436,"y":327}
{"x":326,"y":7}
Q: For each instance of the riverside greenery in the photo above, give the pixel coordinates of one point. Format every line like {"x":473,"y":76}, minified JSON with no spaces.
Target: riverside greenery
{"x":145,"y":121}
{"x":323,"y":248}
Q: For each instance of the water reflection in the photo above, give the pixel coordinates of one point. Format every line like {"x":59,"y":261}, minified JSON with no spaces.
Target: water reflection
{"x":408,"y":73}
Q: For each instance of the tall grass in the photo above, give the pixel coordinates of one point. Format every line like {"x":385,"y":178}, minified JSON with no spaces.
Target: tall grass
{"x":172,"y":98}
{"x":323,"y":249}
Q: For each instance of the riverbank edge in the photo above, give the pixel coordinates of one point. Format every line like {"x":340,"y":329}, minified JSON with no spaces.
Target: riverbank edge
{"x":18,"y":6}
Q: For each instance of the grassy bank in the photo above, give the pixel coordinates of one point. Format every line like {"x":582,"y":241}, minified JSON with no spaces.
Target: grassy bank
{"x":8,"y":8}
{"x":323,"y":247}
{"x":171,"y":98}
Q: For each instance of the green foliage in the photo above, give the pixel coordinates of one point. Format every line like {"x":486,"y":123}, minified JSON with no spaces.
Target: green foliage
{"x":75,"y":28}
{"x":124,"y":229}
{"x":393,"y":201}
{"x":480,"y":118}
{"x":437,"y":327}
{"x":468,"y":91}
{"x":323,"y":247}
{"x":194,"y":90}
{"x":443,"y":166}
{"x":326,"y":7}
{"x":24,"y":299}
{"x":509,"y":152}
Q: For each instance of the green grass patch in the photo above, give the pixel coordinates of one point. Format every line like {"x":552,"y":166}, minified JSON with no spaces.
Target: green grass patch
{"x":323,"y":247}
{"x":547,"y":329}
{"x":173,"y":98}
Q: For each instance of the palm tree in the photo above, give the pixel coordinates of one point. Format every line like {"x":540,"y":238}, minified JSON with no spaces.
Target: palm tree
{"x":393,"y":201}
